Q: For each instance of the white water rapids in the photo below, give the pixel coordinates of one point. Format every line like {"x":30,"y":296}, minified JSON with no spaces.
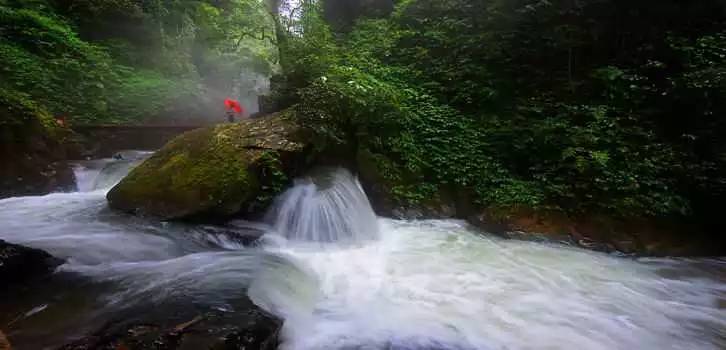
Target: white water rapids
{"x":392,"y":285}
{"x":329,"y":208}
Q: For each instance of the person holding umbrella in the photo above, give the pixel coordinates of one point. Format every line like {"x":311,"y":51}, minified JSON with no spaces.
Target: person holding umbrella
{"x":232,"y":108}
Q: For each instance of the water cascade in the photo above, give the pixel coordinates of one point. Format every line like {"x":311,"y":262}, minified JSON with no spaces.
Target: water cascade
{"x":327,"y":207}
{"x":440,"y":285}
{"x":100,"y":174}
{"x":404,"y":285}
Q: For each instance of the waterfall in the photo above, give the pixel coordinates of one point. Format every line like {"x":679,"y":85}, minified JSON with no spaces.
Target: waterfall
{"x":327,"y":207}
{"x":422,"y":284}
{"x":102,"y":174}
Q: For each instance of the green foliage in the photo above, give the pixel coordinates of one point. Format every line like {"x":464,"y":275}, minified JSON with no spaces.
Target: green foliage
{"x":273,"y":180}
{"x":422,"y":136}
{"x":141,"y":93}
{"x":582,"y":107}
{"x":594,"y":158}
{"x":130,"y":61}
{"x":17,"y":109}
{"x":45,"y":59}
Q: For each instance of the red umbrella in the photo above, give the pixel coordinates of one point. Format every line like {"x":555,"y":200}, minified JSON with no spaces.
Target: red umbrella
{"x":234,"y":105}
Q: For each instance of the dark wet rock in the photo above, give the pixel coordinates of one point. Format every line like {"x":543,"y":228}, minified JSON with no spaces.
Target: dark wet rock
{"x":248,"y":329}
{"x":214,"y":172}
{"x":32,"y":165}
{"x":112,"y":336}
{"x":19,"y":263}
{"x":233,"y":232}
{"x":260,"y":332}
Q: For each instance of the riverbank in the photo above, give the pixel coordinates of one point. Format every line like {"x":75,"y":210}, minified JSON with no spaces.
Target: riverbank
{"x":39,"y":159}
{"x":628,"y":237}
{"x":641,"y":237}
{"x":388,"y":284}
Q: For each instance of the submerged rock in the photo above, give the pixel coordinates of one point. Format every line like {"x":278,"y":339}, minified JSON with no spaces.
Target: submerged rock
{"x":261,"y":331}
{"x":18,"y":263}
{"x":246,"y":329}
{"x":213,"y":172}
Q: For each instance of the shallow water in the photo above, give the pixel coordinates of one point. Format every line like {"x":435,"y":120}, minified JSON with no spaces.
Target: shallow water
{"x":413,"y":285}
{"x":116,"y":264}
{"x":436,"y":284}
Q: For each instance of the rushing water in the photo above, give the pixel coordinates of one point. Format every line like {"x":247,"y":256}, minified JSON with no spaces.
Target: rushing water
{"x":390,"y":284}
{"x":331,"y":207}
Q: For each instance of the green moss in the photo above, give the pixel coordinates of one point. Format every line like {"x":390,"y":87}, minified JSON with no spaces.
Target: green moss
{"x":215,"y":171}
{"x":198,"y":172}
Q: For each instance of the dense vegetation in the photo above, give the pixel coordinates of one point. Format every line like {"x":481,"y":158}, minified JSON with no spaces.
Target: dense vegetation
{"x":130,"y":60}
{"x":585,"y":106}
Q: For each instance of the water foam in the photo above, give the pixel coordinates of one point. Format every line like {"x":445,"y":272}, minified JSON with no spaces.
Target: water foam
{"x":440,"y":285}
{"x":328,"y":207}
{"x":102,"y":174}
{"x":405,"y":285}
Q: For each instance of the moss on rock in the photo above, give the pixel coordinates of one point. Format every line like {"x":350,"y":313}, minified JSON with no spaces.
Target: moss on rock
{"x":216,"y":171}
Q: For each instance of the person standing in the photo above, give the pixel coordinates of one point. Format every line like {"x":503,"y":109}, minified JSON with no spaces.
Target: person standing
{"x":232,"y":108}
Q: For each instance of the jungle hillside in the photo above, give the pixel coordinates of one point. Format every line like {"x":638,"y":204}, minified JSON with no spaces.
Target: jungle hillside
{"x":587,"y":107}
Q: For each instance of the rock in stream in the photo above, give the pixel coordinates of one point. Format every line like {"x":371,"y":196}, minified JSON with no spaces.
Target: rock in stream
{"x":19,"y":263}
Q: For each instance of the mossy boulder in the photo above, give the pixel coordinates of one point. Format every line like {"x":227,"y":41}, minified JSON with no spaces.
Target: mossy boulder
{"x":216,"y":171}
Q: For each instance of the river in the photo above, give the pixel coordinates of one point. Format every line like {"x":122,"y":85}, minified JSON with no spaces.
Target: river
{"x":342,"y":278}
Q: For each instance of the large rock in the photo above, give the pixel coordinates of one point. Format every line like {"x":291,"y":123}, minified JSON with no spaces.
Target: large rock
{"x":18,"y":263}
{"x":172,"y":327}
{"x":214,"y":172}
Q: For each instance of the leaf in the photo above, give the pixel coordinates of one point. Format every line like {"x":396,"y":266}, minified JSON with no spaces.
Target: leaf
{"x":601,"y":157}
